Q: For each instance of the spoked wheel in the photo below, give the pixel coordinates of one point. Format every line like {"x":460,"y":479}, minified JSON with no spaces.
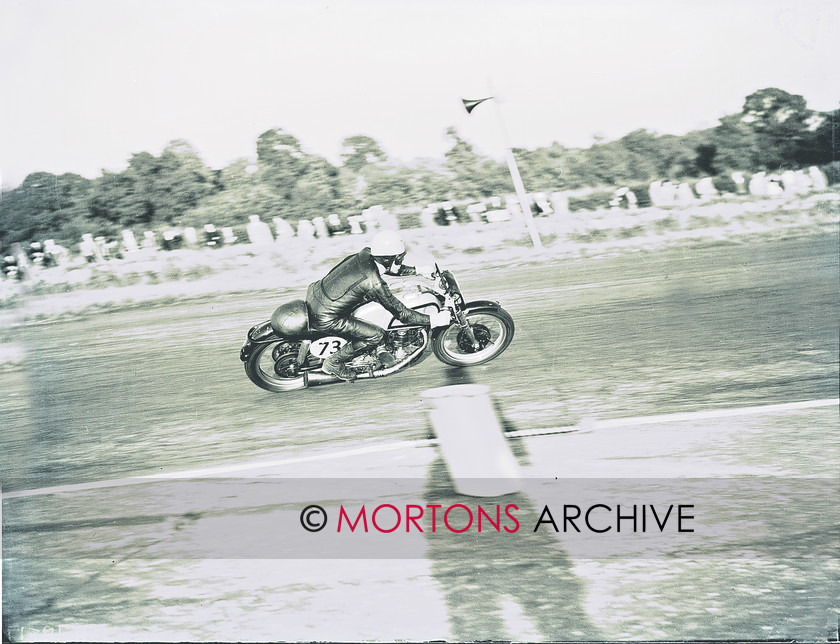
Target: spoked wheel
{"x":493,"y":330}
{"x":273,"y":367}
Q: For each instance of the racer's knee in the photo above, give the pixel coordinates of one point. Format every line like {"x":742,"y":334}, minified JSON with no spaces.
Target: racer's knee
{"x":373,"y":338}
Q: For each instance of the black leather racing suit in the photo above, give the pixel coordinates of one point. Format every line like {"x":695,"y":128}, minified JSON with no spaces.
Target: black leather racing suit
{"x":353,"y":282}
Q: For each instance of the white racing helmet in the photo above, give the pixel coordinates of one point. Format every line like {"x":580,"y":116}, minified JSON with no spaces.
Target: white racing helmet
{"x":388,"y":249}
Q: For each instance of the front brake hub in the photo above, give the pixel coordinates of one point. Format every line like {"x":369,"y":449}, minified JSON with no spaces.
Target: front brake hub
{"x":482,"y":336}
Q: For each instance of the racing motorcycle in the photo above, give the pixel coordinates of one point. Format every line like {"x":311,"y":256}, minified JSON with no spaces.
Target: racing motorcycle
{"x":284,"y":353}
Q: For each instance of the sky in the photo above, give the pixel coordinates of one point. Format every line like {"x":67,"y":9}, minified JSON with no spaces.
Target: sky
{"x":84,"y":84}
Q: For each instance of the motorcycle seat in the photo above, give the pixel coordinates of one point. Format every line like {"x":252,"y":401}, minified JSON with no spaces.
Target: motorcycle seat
{"x":291,"y":320}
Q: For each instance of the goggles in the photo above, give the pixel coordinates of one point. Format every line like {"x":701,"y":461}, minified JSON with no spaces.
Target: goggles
{"x":389,"y":260}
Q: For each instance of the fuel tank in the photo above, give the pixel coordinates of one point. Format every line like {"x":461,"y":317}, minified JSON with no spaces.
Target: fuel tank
{"x":377,"y":314}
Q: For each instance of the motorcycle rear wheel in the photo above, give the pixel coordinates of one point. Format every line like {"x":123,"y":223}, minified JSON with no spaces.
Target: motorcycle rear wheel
{"x":275,"y":373}
{"x":493,"y":328}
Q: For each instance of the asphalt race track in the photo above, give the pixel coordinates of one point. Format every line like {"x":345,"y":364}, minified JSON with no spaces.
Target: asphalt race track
{"x":724,"y":325}
{"x":649,"y":333}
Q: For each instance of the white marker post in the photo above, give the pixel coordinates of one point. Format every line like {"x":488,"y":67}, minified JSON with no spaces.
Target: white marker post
{"x":515,"y":176}
{"x":520,"y":187}
{"x":478,"y":457}
{"x":521,"y":195}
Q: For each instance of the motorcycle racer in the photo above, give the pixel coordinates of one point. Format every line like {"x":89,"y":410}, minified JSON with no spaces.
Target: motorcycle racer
{"x":355,"y":280}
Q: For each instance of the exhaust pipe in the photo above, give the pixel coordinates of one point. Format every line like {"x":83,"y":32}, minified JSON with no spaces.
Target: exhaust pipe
{"x":311,"y":378}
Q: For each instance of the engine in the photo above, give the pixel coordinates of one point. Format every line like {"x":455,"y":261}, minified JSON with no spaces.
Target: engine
{"x":404,"y":342}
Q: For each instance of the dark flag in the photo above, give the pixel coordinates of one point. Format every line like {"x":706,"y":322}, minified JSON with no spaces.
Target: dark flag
{"x":470,"y":105}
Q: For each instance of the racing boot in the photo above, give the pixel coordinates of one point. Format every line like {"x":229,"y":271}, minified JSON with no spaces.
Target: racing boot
{"x":336,"y":364}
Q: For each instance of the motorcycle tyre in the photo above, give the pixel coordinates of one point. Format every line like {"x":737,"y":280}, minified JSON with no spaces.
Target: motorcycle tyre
{"x":447,"y":358}
{"x":275,"y":384}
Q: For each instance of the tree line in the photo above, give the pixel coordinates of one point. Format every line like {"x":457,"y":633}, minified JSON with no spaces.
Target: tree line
{"x":774,"y":131}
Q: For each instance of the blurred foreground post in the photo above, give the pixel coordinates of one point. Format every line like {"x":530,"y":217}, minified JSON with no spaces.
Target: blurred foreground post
{"x":471,"y":440}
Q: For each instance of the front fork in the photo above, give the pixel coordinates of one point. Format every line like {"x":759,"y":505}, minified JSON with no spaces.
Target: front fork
{"x":461,"y":319}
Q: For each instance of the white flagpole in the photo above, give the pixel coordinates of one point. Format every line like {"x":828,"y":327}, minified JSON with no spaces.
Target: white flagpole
{"x":517,"y":179}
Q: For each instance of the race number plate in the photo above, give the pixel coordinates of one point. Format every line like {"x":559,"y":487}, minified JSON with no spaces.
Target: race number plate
{"x":325,"y":347}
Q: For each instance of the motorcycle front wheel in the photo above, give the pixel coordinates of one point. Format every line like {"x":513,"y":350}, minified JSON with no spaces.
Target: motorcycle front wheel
{"x":493,"y":329}
{"x":272,"y":367}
